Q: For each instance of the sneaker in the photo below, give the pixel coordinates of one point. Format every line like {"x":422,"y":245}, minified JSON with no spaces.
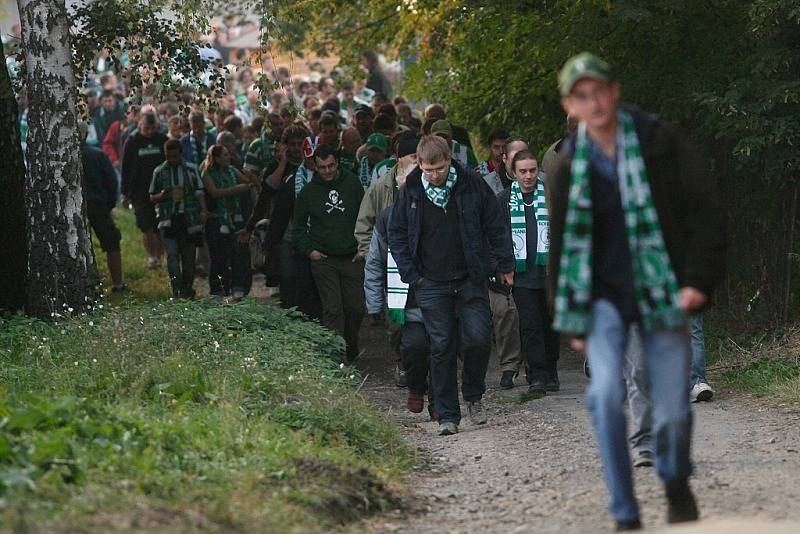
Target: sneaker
{"x":416,"y":401}
{"x":400,"y":376}
{"x":537,"y":388}
{"x":237,"y":294}
{"x":643,"y":459}
{"x":552,"y":384}
{"x":153,"y":263}
{"x":476,"y":413}
{"x":625,"y":526}
{"x":448,"y":428}
{"x":701,"y":392}
{"x":507,"y":380}
{"x":682,"y":507}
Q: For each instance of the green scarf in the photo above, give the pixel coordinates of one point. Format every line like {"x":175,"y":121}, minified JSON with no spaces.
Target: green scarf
{"x":163,"y":180}
{"x":364,"y":172}
{"x":302,"y":177}
{"x":654,"y":280}
{"x":519,"y":227}
{"x":196,"y":158}
{"x":440,"y":196}
{"x":229,"y":209}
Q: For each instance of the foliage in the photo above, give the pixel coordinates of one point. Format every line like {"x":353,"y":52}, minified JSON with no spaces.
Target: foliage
{"x":239,"y":414}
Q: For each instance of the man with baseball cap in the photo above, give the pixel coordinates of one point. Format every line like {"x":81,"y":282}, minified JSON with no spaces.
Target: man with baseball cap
{"x":376,"y":146}
{"x":637,"y":237}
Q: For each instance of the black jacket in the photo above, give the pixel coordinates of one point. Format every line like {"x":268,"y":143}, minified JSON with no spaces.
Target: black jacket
{"x":141,"y":157}
{"x":684,"y":194}
{"x":483,"y":232}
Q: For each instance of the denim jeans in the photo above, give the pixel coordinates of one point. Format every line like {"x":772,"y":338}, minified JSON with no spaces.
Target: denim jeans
{"x":456,"y":316}
{"x":641,"y":438}
{"x":667,"y":361}
{"x":415,"y":349}
{"x":698,"y":348}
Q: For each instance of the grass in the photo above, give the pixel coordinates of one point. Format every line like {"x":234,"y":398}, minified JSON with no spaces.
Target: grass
{"x":164,"y":415}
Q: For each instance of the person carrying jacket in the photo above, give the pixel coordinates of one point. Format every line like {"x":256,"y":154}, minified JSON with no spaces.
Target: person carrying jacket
{"x":444,"y":228}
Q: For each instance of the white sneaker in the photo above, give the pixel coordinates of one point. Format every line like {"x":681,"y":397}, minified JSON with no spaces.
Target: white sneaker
{"x":701,"y":392}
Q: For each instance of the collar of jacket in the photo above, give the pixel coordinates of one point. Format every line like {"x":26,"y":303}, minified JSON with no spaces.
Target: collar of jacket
{"x":414,"y":180}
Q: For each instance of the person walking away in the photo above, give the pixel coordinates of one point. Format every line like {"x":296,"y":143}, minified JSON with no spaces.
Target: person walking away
{"x":527,"y":222}
{"x":637,"y":236}
{"x":444,"y":226}
{"x":324,"y":220}
{"x":143,"y":152}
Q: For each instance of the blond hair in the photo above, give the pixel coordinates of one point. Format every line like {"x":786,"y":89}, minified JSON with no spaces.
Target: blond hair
{"x":433,"y":148}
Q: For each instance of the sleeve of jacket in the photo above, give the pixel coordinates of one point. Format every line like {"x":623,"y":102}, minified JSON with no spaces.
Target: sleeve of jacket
{"x":109,"y":144}
{"x":281,"y":214}
{"x":495,"y":228}
{"x":557,"y":191}
{"x":300,"y":236}
{"x":375,"y":272}
{"x":109,"y":178}
{"x":398,"y":239}
{"x":128,"y":167}
{"x":366,"y":221}
{"x":705,"y":222}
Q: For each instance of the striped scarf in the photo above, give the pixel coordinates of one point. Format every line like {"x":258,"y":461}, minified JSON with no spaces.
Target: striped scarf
{"x":654,"y":280}
{"x":184,"y":179}
{"x":519,"y":230}
{"x":364,"y":172}
{"x":440,"y":196}
{"x":197,"y":158}
{"x":397,"y":291}
{"x":302,"y":178}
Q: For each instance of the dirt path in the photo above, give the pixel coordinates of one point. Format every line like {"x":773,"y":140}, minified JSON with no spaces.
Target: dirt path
{"x":534,"y":466}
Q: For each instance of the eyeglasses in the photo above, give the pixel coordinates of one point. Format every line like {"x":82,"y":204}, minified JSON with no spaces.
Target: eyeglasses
{"x":439,"y":171}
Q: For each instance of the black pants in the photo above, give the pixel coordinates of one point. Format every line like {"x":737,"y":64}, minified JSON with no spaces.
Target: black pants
{"x":288,"y":274}
{"x":341,"y":288}
{"x":415,"y":351}
{"x":306,"y":295}
{"x":227,"y":270}
{"x":181,"y":249}
{"x":540,"y":343}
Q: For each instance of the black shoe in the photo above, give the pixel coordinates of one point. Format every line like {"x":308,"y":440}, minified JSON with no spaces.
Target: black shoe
{"x":552,"y":383}
{"x":682,"y":507}
{"x":120,"y":289}
{"x":623,"y":526}
{"x":537,"y":388}
{"x":507,"y":380}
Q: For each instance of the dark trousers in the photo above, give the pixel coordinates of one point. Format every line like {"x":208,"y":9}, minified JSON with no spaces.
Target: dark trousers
{"x":181,"y":250}
{"x":288,"y":275}
{"x":340,"y":282}
{"x":457,"y":319}
{"x":241,"y":270}
{"x":226,"y":270}
{"x":540,"y":343}
{"x":306,"y":294}
{"x":415,"y":350}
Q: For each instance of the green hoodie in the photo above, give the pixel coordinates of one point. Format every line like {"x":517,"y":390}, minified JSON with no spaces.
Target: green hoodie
{"x":325,"y":215}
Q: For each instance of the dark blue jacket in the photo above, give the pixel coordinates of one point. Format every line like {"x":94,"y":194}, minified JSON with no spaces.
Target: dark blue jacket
{"x":189,"y":151}
{"x":483,"y":233}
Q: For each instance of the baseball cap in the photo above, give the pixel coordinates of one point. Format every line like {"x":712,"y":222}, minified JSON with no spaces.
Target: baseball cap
{"x":584,"y":65}
{"x":377,"y":140}
{"x":442,"y":127}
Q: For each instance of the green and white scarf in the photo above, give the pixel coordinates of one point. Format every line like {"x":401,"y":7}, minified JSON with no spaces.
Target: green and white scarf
{"x":196,"y":158}
{"x":229,"y":208}
{"x":519,"y":231}
{"x":440,"y":196}
{"x":185,"y":178}
{"x":397,"y":292}
{"x":654,"y":280}
{"x":382,"y":168}
{"x":302,"y":177}
{"x":364,"y":172}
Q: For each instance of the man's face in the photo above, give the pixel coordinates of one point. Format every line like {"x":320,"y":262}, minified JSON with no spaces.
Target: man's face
{"x":377,"y":103}
{"x":497,"y":150}
{"x":407,"y":161}
{"x":347,"y":94}
{"x":513,"y":148}
{"x":276,"y":125}
{"x":229,"y":102}
{"x":435,"y":172}
{"x":174,"y":157}
{"x":526,"y":171}
{"x":375,"y":156}
{"x":593,"y":102}
{"x":109,"y":103}
{"x":224,"y":158}
{"x":363,"y":122}
{"x":294,"y":150}
{"x":330,"y":135}
{"x":175,"y":128}
{"x":327,"y":167}
{"x":147,"y":129}
{"x":198,"y":127}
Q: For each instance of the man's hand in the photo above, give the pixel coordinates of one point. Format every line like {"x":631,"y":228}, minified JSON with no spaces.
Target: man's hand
{"x":578,"y":344}
{"x":692,"y":299}
{"x":243,"y":236}
{"x":316,"y":255}
{"x":358,"y":257}
{"x":507,"y":278}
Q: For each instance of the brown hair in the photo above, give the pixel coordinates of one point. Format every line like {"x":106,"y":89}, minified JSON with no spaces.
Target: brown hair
{"x":212,"y":155}
{"x":521,"y":156}
{"x":433,"y":148}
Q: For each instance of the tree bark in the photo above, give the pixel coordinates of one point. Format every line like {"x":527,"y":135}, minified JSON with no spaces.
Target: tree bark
{"x":60,"y":258}
{"x":12,"y":205}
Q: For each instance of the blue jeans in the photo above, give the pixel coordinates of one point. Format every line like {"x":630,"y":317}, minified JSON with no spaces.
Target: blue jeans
{"x":457,"y":319}
{"x":667,"y":357}
{"x":698,"y":348}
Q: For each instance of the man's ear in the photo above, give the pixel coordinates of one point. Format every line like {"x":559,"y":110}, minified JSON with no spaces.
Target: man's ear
{"x":566,"y":104}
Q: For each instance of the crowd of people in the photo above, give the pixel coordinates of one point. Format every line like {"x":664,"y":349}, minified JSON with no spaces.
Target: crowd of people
{"x":364,"y":206}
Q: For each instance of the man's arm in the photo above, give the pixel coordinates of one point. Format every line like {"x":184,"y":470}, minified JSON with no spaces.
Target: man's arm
{"x":128,"y":168}
{"x":109,"y":144}
{"x":109,"y":178}
{"x":398,"y":239}
{"x":375,"y":274}
{"x":365,"y":223}
{"x":300,"y":236}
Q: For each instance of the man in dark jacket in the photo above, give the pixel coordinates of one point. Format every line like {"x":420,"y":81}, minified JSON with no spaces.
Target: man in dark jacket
{"x":444,"y":228}
{"x":637,"y":236}
{"x":144,"y":151}
{"x":324,"y":221}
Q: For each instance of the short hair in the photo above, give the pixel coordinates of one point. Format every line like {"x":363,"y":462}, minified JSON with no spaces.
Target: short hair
{"x":225,"y":138}
{"x":371,"y":56}
{"x":435,"y":111}
{"x":387,"y":109}
{"x":172,"y":144}
{"x":510,"y":141}
{"x":324,"y":152}
{"x":331,"y":104}
{"x":258,"y":124}
{"x":433,"y":148}
{"x":522,"y":155}
{"x":149,"y":118}
{"x":399,"y":100}
{"x":223,"y":114}
{"x":197,"y":116}
{"x":107,"y":93}
{"x":175,"y":119}
{"x":294,"y":132}
{"x":328,"y":121}
{"x":380,"y":96}
{"x":315,"y":113}
{"x":384,"y":123}
{"x":347,"y":85}
{"x":498,"y":133}
{"x":232,"y":122}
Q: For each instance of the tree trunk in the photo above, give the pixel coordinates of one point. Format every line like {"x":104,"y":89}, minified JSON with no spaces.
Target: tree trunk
{"x":790,"y":258}
{"x":12,"y":205}
{"x":60,"y":259}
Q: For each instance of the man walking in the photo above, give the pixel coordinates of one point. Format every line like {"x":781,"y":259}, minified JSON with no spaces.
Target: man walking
{"x":444,"y":227}
{"x":637,"y":237}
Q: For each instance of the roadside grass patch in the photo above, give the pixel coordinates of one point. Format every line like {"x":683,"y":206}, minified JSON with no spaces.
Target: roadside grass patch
{"x":184,"y":415}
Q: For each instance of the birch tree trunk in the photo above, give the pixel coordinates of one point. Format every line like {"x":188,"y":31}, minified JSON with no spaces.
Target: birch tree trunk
{"x":12,"y":205}
{"x":61,"y":274}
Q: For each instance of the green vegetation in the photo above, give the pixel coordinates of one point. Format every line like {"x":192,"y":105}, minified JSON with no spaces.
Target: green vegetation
{"x":181,"y":415}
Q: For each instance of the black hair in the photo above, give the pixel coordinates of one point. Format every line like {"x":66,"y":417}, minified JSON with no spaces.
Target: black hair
{"x":512,"y":139}
{"x":327,"y":120}
{"x":498,"y":133}
{"x":172,"y":144}
{"x":384,"y":123}
{"x":324,"y":152}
